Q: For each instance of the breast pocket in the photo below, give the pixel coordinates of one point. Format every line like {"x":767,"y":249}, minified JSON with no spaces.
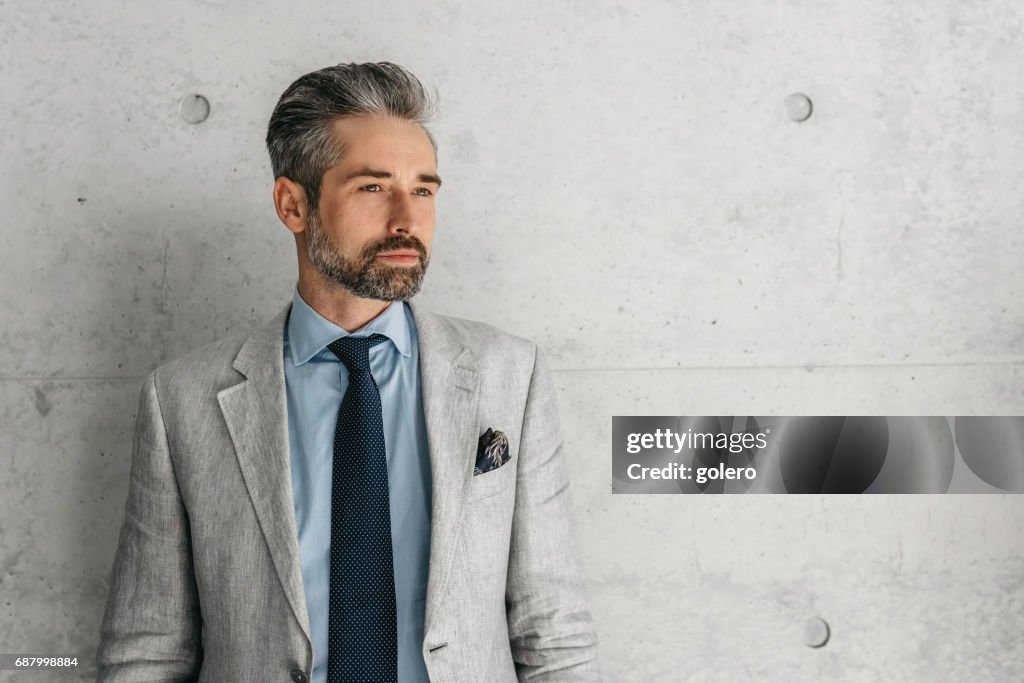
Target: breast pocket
{"x":494,"y":482}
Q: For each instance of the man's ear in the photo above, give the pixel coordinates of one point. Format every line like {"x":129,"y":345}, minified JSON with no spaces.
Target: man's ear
{"x":290,"y":204}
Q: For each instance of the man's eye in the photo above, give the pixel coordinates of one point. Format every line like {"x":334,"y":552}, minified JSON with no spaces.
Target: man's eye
{"x":372,"y":187}
{"x":423,"y":192}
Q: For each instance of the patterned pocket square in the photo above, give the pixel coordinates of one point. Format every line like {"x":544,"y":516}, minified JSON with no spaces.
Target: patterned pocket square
{"x":491,"y":451}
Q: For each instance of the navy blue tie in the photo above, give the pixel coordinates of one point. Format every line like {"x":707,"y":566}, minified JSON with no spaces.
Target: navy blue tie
{"x":362,"y":643}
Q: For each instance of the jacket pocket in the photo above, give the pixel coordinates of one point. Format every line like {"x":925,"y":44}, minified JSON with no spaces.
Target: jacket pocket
{"x":493,"y":482}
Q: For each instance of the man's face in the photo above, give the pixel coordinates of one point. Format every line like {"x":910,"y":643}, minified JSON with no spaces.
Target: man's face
{"x":376,"y":213}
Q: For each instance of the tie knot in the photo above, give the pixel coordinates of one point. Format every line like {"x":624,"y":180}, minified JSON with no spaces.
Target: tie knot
{"x":354,"y":352}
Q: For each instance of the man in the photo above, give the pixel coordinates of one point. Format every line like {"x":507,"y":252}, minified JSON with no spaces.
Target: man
{"x":361,"y":490}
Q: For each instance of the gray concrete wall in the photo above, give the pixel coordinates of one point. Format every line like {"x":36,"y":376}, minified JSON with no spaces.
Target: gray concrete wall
{"x":622,"y":184}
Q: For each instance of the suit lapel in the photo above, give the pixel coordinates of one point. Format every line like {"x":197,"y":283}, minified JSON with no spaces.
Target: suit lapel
{"x":256,"y":413}
{"x":450,"y":384}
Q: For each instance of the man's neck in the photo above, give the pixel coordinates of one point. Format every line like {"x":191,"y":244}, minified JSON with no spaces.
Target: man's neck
{"x":339,"y":305}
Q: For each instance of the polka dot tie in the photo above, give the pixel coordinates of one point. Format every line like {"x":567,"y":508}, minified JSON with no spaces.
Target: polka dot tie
{"x":362,"y":643}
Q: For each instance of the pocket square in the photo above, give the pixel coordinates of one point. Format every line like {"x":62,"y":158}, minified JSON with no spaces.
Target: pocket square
{"x":491,"y":451}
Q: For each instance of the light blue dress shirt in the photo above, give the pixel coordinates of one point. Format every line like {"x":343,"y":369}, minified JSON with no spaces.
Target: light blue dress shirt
{"x":315,"y":384}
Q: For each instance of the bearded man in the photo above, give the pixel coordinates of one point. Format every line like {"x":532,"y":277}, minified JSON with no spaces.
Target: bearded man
{"x":361,"y":489}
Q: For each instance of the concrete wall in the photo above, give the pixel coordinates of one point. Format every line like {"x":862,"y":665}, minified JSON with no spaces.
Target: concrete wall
{"x":623,"y":185}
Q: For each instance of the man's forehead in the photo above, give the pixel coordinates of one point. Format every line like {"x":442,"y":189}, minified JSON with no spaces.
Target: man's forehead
{"x":384,"y":143}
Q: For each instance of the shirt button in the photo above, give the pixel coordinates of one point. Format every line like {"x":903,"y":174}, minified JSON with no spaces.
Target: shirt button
{"x":299,"y":676}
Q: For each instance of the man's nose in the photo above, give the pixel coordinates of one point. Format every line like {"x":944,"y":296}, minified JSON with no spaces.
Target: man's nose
{"x":403,"y":218}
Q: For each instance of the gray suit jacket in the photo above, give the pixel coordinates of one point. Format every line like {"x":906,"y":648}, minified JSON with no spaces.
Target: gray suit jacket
{"x":207,"y":584}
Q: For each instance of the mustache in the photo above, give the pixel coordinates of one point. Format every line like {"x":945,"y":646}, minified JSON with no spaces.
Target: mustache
{"x":394,"y":243}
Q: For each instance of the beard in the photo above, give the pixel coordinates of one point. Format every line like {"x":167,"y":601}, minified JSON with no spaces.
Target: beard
{"x":365,"y":276}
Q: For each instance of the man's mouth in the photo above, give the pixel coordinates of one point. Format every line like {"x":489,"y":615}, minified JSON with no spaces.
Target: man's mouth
{"x":400,"y":256}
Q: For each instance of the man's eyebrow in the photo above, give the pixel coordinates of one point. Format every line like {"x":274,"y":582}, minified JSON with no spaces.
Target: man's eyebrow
{"x":367,"y":172}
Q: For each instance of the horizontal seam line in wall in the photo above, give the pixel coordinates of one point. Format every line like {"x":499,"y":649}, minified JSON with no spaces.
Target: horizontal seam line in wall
{"x":60,"y":378}
{"x":840,"y":366}
{"x":805,"y":366}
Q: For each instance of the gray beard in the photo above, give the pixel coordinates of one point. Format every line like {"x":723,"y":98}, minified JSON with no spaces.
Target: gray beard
{"x":365,"y":277}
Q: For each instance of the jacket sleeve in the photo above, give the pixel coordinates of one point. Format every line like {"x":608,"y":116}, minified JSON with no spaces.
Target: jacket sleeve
{"x":151,"y":629}
{"x":550,"y":628}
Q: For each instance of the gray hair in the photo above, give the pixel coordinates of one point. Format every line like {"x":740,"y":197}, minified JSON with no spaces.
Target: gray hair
{"x":300,"y":139}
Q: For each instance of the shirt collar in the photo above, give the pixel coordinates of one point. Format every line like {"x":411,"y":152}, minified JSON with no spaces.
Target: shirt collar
{"x":309,"y":332}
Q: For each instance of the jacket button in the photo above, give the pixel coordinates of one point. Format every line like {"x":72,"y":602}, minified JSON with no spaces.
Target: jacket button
{"x":299,"y":676}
